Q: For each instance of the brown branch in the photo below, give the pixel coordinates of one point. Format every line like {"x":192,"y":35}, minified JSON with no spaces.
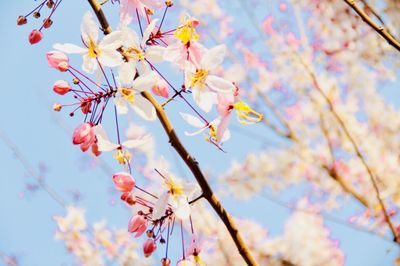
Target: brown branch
{"x":208,"y":194}
{"x":379,"y":29}
{"x":354,"y":145}
{"x":193,"y":165}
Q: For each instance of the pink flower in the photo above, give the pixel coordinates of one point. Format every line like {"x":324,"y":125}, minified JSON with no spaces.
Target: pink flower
{"x":61,"y":87}
{"x":35,"y":36}
{"x":124,"y":182}
{"x":137,"y":224}
{"x":57,"y":60}
{"x":161,"y":88}
{"x":179,"y":53}
{"x":149,"y":247}
{"x":128,"y":9}
{"x":195,"y":247}
{"x":84,"y":136}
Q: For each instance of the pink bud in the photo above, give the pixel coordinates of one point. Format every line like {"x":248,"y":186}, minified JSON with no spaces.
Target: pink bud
{"x":21,"y":20}
{"x":61,"y":87}
{"x":35,"y":36}
{"x":161,"y":88}
{"x":82,"y":133}
{"x":124,"y":182}
{"x":149,"y":247}
{"x":58,"y":60}
{"x":137,"y":224}
{"x":195,"y":22}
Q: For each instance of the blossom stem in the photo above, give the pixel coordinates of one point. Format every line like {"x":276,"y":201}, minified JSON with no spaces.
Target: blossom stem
{"x":140,"y":23}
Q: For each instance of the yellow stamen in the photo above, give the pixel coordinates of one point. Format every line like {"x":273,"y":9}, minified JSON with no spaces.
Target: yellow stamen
{"x":128,"y":94}
{"x":246,"y":115}
{"x":133,"y":53}
{"x":93,"y":50}
{"x":122,"y":157}
{"x":199,"y":78}
{"x":186,"y":32}
{"x":175,"y":189}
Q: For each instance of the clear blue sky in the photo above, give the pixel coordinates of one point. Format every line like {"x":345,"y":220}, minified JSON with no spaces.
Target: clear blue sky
{"x":26,"y":227}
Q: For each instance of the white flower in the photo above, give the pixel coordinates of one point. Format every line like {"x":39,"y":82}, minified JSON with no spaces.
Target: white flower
{"x":204,"y":85}
{"x":122,"y":156}
{"x":176,"y":196}
{"x":105,"y":51}
{"x":195,"y":122}
{"x":129,"y":92}
{"x":136,"y":52}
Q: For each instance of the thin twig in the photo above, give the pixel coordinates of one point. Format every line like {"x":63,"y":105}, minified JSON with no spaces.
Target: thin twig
{"x":381,"y":30}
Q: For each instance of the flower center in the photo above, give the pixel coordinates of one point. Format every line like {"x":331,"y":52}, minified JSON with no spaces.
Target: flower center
{"x":133,"y":53}
{"x":175,"y":189}
{"x":246,"y":115}
{"x":128,"y":94}
{"x":199,"y":78}
{"x":186,"y":32}
{"x":94,"y":51}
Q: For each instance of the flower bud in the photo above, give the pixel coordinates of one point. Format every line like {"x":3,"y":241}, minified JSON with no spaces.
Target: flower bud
{"x":57,"y":107}
{"x":57,"y":60}
{"x":36,"y":14}
{"x":137,"y":224}
{"x":160,"y":88}
{"x":35,"y":36}
{"x":165,"y":262}
{"x":149,"y":247}
{"x":47,"y":23}
{"x":50,"y":3}
{"x":124,"y":182}
{"x":169,"y":3}
{"x":61,"y":87}
{"x":21,"y":20}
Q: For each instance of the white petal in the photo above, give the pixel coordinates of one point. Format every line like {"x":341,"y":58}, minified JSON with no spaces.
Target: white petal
{"x":110,"y":58}
{"x":155,"y":54}
{"x":143,"y":67}
{"x":89,"y":29}
{"x":70,"y":48}
{"x":181,"y":207}
{"x":130,"y":38}
{"x":145,"y":82}
{"x":144,"y":108}
{"x":148,"y":31}
{"x":195,"y":132}
{"x":219,"y":84}
{"x":192,"y":120}
{"x":112,"y":41}
{"x":103,"y":142}
{"x":89,"y":64}
{"x":204,"y":99}
{"x":226,"y":136}
{"x":213,"y":57}
{"x":126,"y":73}
{"x":121,"y":105}
{"x":161,"y":206}
{"x":134,"y":143}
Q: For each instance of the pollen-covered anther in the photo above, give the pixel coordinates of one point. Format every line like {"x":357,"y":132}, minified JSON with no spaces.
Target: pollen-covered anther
{"x":187,"y":32}
{"x":199,"y":78}
{"x":50,"y":3}
{"x":169,"y":3}
{"x":128,"y":94}
{"x":122,"y":157}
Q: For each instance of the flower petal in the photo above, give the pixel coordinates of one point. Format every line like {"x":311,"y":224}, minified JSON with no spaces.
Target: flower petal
{"x":148,"y":31}
{"x":213,"y":57}
{"x":218,"y":84}
{"x":134,"y":143}
{"x":161,"y":206}
{"x":103,"y":142}
{"x":146,"y":81}
{"x":155,"y":54}
{"x":192,"y":120}
{"x":144,"y":108}
{"x":89,"y":29}
{"x":89,"y":64}
{"x":204,"y":99}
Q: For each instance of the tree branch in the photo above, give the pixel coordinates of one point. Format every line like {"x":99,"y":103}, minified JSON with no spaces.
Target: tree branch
{"x":379,"y":29}
{"x":193,"y":165}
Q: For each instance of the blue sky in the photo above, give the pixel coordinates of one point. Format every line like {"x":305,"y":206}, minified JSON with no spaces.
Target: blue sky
{"x":26,"y":227}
